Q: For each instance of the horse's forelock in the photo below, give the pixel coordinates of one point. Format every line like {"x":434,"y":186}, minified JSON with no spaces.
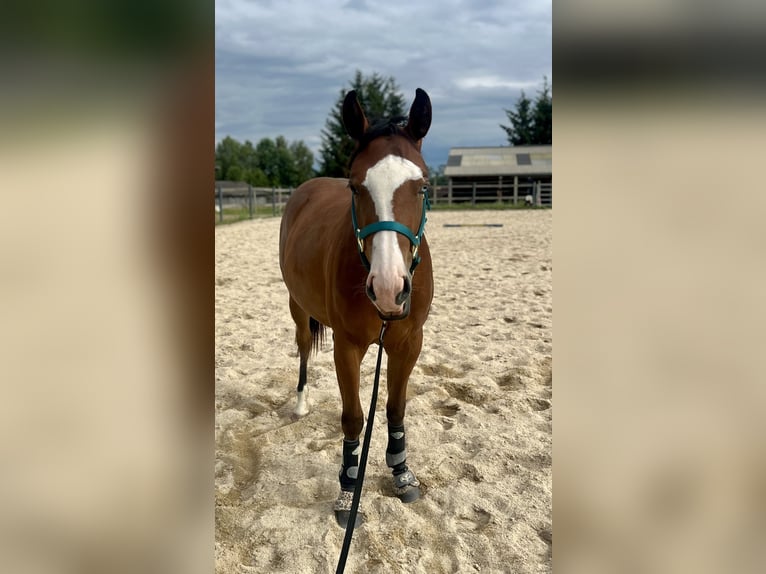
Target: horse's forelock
{"x":387,"y":127}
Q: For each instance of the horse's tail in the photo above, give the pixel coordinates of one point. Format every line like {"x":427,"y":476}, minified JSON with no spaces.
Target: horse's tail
{"x":317,"y":334}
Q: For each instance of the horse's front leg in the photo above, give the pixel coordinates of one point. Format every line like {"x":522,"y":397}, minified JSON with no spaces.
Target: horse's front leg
{"x":348,"y":358}
{"x":401,"y":361}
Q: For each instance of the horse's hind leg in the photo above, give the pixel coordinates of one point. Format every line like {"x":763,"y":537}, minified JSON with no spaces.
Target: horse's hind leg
{"x":308,"y":331}
{"x":401,"y":361}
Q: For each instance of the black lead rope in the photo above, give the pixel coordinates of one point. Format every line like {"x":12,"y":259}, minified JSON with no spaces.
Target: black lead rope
{"x":362,"y":461}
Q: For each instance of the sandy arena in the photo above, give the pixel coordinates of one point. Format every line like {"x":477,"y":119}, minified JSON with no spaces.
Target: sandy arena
{"x":478,"y":414}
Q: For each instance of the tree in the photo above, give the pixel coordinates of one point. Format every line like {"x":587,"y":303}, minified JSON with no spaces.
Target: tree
{"x":286,"y":170}
{"x":267,"y":160}
{"x":436,"y":175}
{"x":234,"y":173}
{"x":531,"y":124}
{"x":270,"y":163}
{"x":256,"y":177}
{"x":543,"y":116}
{"x":227,"y":154}
{"x":304,"y":162}
{"x":247,"y":158}
{"x":521,"y":128}
{"x":380,"y":99}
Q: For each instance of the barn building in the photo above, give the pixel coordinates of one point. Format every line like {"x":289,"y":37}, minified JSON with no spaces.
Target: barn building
{"x":514,"y":174}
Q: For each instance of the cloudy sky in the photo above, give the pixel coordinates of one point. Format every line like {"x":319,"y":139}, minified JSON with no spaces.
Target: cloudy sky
{"x":281,"y":64}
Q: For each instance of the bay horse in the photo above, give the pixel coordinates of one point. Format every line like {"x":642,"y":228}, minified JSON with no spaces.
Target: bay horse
{"x":348,"y":249}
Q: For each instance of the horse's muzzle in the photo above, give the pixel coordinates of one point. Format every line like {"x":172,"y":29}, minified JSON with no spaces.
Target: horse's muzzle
{"x":402,"y":299}
{"x":404,"y":314}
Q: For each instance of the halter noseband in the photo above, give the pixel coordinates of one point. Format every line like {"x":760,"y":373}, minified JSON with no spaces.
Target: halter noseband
{"x":415,"y":239}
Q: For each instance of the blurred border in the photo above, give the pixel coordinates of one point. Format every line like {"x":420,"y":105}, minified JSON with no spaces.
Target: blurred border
{"x":659,"y":130}
{"x":106,"y":296}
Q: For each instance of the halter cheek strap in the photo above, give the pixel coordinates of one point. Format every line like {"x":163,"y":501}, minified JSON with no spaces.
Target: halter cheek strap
{"x":415,"y":239}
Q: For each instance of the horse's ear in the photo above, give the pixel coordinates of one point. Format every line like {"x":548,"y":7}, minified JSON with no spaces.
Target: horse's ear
{"x":420,"y":115}
{"x":354,"y":119}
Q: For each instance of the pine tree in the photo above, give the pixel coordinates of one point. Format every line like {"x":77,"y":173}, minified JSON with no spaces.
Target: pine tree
{"x":531,"y":123}
{"x":521,"y":129}
{"x":542,"y":132}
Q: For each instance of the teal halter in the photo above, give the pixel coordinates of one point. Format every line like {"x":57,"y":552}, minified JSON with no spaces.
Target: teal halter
{"x":415,"y":239}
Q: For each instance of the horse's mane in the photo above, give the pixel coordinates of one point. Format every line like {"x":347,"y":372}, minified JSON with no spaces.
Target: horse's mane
{"x":386,"y":127}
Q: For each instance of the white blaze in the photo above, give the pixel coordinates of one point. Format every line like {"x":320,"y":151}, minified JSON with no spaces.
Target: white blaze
{"x":387,"y":264}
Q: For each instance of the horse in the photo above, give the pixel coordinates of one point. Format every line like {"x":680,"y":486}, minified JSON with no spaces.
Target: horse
{"x":348,"y":252}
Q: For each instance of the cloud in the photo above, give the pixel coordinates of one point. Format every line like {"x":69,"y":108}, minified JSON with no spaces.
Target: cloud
{"x":280,"y":66}
{"x":493,"y":82}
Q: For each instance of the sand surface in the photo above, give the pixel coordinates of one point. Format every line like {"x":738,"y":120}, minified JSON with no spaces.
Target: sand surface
{"x":478,"y":414}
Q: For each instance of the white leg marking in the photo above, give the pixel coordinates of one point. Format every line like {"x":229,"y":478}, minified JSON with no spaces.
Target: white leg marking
{"x":302,"y":407}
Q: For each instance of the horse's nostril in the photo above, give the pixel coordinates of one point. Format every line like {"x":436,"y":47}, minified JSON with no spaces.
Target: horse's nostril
{"x":370,"y":292}
{"x":405,"y":292}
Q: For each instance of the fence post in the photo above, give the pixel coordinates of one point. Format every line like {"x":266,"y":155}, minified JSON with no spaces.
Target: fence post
{"x":538,"y":194}
{"x":449,"y":191}
{"x":273,"y":201}
{"x":515,"y":189}
{"x":220,"y":203}
{"x":473,"y":194}
{"x":500,"y":189}
{"x":250,"y":199}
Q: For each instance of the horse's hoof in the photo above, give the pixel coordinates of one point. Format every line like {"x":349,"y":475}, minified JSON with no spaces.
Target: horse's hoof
{"x":342,"y":510}
{"x":342,"y":517}
{"x":410,"y":494}
{"x":406,"y":487}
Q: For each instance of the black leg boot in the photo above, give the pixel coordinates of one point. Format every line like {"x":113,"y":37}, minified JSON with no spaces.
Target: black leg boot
{"x":347,"y":477}
{"x":406,"y":485}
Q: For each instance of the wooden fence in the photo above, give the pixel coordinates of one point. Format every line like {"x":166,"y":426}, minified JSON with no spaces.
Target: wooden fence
{"x":515,"y":193}
{"x":234,"y":202}
{"x":246,"y":201}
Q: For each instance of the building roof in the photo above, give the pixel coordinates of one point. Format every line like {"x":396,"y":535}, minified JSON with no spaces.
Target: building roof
{"x":502,"y":160}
